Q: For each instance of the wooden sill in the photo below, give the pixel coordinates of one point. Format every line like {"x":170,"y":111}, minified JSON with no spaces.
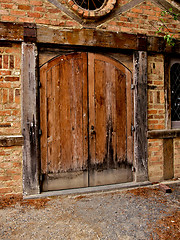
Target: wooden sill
{"x":166,"y":133}
{"x":11,"y":140}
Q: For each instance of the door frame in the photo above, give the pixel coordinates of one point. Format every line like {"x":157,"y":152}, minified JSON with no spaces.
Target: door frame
{"x":31,"y":127}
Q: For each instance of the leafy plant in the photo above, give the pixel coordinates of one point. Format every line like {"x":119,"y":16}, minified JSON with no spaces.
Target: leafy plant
{"x":168,"y":36}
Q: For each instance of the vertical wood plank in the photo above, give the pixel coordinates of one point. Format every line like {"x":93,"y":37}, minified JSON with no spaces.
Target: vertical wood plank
{"x":140,"y":114}
{"x":130,"y":115}
{"x":43,"y":119}
{"x":91,"y":96}
{"x":121,"y":115}
{"x":30,"y":123}
{"x":108,"y":100}
{"x":168,"y":158}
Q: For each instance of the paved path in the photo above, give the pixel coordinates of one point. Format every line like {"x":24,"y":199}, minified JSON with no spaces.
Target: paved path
{"x":143,"y":213}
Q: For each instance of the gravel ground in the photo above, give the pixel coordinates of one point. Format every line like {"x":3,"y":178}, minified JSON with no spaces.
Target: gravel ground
{"x":142,"y":213}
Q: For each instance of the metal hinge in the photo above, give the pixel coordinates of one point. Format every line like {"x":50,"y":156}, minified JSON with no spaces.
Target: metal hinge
{"x":39,"y":84}
{"x":40,"y":132}
{"x":132,"y":86}
{"x":132,"y":128}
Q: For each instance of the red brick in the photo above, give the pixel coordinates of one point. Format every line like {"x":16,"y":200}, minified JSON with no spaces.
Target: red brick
{"x":5,"y":178}
{"x":17,"y":95}
{"x":35,"y":3}
{"x":7,"y":5}
{"x":5,"y":96}
{"x":16,"y":112}
{"x":26,"y":19}
{"x":5,"y":72}
{"x":4,"y":12}
{"x":5,"y":85}
{"x":42,"y":21}
{"x":54,"y":10}
{"x":11,"y":62}
{"x":26,"y":2}
{"x":13,"y":50}
{"x":8,"y":18}
{"x":136,"y":10}
{"x":5,"y":61}
{"x":16,"y":177}
{"x":34,"y":14}
{"x":12,"y":79}
{"x":12,"y":106}
{"x":18,"y":12}
{"x":24,"y":7}
{"x":5,"y":112}
{"x":40,"y":9}
{"x":5,"y":190}
{"x":11,"y":95}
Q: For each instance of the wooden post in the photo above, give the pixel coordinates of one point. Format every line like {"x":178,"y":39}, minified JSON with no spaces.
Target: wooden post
{"x":140,"y":115}
{"x":30,"y":125}
{"x":168,"y":168}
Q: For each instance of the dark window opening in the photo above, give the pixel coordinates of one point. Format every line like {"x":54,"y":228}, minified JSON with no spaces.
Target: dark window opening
{"x":175,"y":92}
{"x":90,"y":4}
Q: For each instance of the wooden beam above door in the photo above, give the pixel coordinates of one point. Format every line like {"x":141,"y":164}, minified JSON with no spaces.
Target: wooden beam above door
{"x":20,"y":32}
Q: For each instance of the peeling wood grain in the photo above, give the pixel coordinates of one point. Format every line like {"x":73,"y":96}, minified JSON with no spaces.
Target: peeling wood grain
{"x":30,"y":119}
{"x":84,"y":37}
{"x":140,"y":114}
{"x":160,"y":134}
{"x":168,"y":166}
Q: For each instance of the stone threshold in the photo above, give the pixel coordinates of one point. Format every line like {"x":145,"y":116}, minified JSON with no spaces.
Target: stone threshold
{"x":86,"y":190}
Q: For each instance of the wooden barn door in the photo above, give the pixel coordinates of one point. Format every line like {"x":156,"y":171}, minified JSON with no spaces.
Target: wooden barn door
{"x":85,"y":117}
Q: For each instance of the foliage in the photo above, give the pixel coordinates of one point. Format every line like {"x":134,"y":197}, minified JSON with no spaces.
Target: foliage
{"x":168,"y":36}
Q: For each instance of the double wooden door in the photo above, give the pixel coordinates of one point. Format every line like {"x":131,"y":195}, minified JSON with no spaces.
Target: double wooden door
{"x":85,"y":117}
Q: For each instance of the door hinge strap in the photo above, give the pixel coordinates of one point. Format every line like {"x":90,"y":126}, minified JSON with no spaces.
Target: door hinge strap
{"x":132,"y":128}
{"x":132,"y":86}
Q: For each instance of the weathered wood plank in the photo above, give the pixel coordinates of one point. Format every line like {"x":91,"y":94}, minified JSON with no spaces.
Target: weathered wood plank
{"x":30,"y":119}
{"x":140,"y":114}
{"x":108,"y":128}
{"x":168,"y":170}
{"x":11,"y":140}
{"x":160,"y":134}
{"x":65,"y":111}
{"x":84,"y":37}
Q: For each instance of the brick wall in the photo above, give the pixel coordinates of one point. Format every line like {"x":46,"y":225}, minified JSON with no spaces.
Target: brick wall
{"x":34,"y":11}
{"x":156,"y":101}
{"x":155,"y":159}
{"x":10,"y":118}
{"x":142,"y":19}
{"x":10,"y":170}
{"x":10,"y":90}
{"x":156,"y":120}
{"x":177,"y":158}
{"x":156,"y":114}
